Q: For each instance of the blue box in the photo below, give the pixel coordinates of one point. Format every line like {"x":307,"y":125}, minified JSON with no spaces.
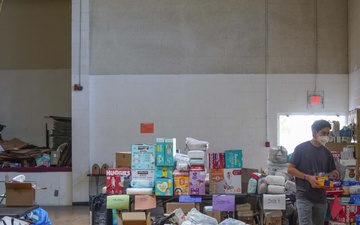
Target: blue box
{"x":143,"y":157}
{"x":160,"y":152}
{"x":164,"y":187}
{"x":164,"y":172}
{"x":170,"y":151}
{"x":233,"y":158}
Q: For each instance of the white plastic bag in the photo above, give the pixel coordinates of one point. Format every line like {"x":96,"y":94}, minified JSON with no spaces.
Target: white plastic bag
{"x":278,"y":155}
{"x":179,"y":217}
{"x":194,"y":144}
{"x":231,"y":221}
{"x":196,"y":217}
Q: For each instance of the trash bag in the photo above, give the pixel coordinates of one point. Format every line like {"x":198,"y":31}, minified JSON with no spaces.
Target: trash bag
{"x":38,"y":217}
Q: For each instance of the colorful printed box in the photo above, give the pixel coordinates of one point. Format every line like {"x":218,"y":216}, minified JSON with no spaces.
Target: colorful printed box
{"x":170,"y":151}
{"x":164,"y":187}
{"x":142,"y":178}
{"x":115,"y":180}
{"x":197,"y":182}
{"x":164,"y":172}
{"x":216,"y":160}
{"x":348,"y":213}
{"x":233,"y":158}
{"x":181,"y":185}
{"x":143,"y":157}
{"x":160,"y":152}
{"x":225,"y":181}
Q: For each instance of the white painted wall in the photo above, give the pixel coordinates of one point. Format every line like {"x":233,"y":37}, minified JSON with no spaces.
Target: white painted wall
{"x":229,"y":111}
{"x":235,"y":110}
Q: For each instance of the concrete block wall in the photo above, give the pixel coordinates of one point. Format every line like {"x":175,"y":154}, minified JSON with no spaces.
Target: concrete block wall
{"x":354,"y":54}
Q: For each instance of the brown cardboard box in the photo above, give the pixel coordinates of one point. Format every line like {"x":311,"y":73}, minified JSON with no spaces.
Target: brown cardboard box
{"x":20,"y":194}
{"x":245,"y":176}
{"x":123,"y":159}
{"x":185,"y":207}
{"x":214,"y":214}
{"x":247,"y":219}
{"x":273,"y":220}
{"x":134,"y":218}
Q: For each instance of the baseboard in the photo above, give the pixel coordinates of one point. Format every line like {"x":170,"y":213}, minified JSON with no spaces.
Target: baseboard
{"x":80,"y":203}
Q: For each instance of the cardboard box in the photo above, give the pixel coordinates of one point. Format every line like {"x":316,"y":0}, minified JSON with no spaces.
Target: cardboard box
{"x":197,"y":182}
{"x":164,"y":172}
{"x":20,"y":194}
{"x":273,"y":220}
{"x":142,"y":178}
{"x":170,"y":151}
{"x":181,"y":185}
{"x":160,"y":152}
{"x":134,"y":218}
{"x":185,"y":207}
{"x":143,"y":157}
{"x":225,"y":181}
{"x":214,"y":214}
{"x":245,"y":176}
{"x":115,"y":180}
{"x":164,"y":187}
{"x":247,"y":219}
{"x":233,"y":158}
{"x":123,"y":159}
{"x":216,"y":160}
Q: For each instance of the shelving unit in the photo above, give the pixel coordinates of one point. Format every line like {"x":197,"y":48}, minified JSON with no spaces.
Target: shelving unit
{"x":352,"y":119}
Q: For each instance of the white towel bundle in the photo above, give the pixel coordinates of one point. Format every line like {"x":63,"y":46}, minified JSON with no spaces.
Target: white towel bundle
{"x":196,"y":154}
{"x":194,"y":144}
{"x":275,"y":189}
{"x":290,"y":186}
{"x":275,"y":180}
{"x":139,"y":191}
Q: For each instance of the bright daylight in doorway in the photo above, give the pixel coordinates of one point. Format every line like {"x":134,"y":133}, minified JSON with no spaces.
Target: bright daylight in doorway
{"x":295,"y":129}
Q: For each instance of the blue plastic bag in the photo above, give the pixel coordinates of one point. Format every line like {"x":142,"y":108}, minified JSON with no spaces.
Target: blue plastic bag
{"x":38,"y":217}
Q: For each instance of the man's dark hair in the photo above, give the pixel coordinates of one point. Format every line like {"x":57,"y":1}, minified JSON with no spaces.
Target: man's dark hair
{"x":320,"y":124}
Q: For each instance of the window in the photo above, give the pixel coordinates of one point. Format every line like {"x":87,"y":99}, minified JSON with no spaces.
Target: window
{"x":294,"y":129}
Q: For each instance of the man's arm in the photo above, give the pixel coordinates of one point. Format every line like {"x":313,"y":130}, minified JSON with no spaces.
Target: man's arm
{"x":300,"y":175}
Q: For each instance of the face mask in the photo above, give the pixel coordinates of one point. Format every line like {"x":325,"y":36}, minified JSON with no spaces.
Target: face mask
{"x":322,"y":139}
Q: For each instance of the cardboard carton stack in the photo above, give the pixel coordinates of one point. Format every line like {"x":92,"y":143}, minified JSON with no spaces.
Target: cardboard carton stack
{"x":165,"y":151}
{"x":225,"y":172}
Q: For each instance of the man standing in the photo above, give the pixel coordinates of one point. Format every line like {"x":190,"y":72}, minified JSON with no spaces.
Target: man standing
{"x":310,"y":159}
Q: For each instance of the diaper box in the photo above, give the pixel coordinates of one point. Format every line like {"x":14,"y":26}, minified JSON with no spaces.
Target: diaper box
{"x":225,"y":181}
{"x":181,"y":185}
{"x":170,"y":151}
{"x":164,"y":187}
{"x":143,"y":157}
{"x":115,"y":180}
{"x":142,"y":178}
{"x":164,"y":172}
{"x":233,"y":158}
{"x":160,"y":152}
{"x":197,"y":182}
{"x":216,"y":160}
{"x":143,"y":174}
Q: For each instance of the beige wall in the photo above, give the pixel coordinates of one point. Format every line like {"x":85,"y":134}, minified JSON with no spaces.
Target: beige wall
{"x":35,"y":34}
{"x":354,"y":54}
{"x":209,"y":37}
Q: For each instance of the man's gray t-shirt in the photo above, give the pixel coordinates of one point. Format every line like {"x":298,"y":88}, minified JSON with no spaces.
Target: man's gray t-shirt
{"x":311,"y":160}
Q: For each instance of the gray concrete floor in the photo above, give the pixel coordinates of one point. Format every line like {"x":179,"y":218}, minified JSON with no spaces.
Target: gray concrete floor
{"x":68,"y":215}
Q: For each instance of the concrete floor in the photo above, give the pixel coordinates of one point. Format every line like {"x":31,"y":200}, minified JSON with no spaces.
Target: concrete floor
{"x":69,"y":215}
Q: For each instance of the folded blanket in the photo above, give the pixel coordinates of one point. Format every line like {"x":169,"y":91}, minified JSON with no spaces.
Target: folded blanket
{"x":275,"y":189}
{"x":275,"y":180}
